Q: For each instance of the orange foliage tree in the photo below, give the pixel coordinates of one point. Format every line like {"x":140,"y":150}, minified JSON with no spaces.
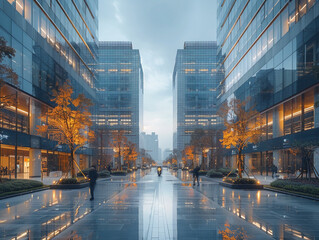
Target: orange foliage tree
{"x":69,"y":121}
{"x":6,"y":73}
{"x":130,"y":153}
{"x":118,"y":143}
{"x":189,"y":153}
{"x":242,"y":127}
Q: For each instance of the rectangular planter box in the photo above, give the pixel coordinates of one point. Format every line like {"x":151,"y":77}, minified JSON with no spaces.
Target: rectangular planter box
{"x":69,"y":186}
{"x":241,"y":186}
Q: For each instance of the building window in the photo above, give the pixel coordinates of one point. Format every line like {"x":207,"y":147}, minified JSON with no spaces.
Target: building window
{"x":308,"y":110}
{"x":287,"y":117}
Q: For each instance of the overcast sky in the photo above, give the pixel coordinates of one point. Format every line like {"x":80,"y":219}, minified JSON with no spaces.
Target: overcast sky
{"x":158,"y":28}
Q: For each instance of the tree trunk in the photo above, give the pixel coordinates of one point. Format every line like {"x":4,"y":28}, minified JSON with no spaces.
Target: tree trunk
{"x":240,"y":164}
{"x":203,"y":162}
{"x":72,"y":163}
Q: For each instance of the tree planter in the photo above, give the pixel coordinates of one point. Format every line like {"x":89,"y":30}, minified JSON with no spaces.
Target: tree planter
{"x":70,"y":186}
{"x":241,"y":186}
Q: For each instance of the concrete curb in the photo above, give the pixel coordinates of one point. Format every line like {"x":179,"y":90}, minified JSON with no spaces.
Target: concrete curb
{"x":24,"y":193}
{"x":242,"y":186}
{"x":291,"y":194}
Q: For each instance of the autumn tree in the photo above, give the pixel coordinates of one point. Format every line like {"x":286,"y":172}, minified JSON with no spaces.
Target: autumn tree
{"x":146,"y":158}
{"x":201,"y":142}
{"x":6,"y":75}
{"x":69,"y":121}
{"x":242,"y":127}
{"x":130,"y":154}
{"x":118,"y":143}
{"x":189,"y":154}
{"x":306,"y":149}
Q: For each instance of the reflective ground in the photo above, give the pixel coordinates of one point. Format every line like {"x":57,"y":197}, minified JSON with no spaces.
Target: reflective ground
{"x":153,"y":207}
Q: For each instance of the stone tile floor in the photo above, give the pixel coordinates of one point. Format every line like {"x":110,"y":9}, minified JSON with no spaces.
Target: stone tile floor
{"x":155,"y":207}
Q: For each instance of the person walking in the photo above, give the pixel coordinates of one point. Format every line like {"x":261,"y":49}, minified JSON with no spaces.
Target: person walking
{"x":92,"y":177}
{"x":196,"y":175}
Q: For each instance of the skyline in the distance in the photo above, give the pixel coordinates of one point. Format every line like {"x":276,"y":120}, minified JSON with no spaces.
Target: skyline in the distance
{"x":158,"y":29}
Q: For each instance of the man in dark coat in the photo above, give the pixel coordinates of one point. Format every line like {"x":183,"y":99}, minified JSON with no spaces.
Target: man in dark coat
{"x":92,"y":176}
{"x":195,"y":175}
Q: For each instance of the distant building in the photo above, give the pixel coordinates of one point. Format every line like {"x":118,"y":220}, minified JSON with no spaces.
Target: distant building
{"x":195,"y":82}
{"x":149,"y":142}
{"x":160,"y":159}
{"x":120,"y":92}
{"x":166,"y":153}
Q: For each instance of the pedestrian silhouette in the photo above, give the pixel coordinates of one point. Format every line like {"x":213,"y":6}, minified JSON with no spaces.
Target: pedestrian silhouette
{"x":196,"y":175}
{"x":92,"y":176}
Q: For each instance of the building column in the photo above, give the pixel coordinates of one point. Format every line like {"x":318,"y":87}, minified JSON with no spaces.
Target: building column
{"x":77,"y":160}
{"x":247,"y":161}
{"x":316,"y":159}
{"x":233,"y":162}
{"x":278,"y":124}
{"x":276,"y":158}
{"x":316,"y":108}
{"x":35,"y":163}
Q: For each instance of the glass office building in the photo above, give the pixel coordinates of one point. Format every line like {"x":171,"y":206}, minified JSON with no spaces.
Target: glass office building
{"x":54,"y":41}
{"x":270,"y":52}
{"x":120,"y":93}
{"x":195,"y":82}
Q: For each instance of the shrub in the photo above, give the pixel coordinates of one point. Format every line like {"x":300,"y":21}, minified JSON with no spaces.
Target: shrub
{"x":202,"y":172}
{"x":119,"y":173}
{"x":104,"y":174}
{"x":295,"y":186}
{"x":85,"y":171}
{"x":68,"y":181}
{"x":240,"y":180}
{"x":213,"y":174}
{"x":18,"y":184}
{"x":226,"y":171}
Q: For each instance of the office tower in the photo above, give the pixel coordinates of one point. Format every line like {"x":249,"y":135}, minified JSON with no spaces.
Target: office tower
{"x":269,"y":50}
{"x":195,"y":81}
{"x":149,"y":142}
{"x":55,"y":41}
{"x":120,"y":92}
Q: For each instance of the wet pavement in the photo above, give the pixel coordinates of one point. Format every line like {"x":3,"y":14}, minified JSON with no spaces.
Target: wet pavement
{"x":152,"y":207}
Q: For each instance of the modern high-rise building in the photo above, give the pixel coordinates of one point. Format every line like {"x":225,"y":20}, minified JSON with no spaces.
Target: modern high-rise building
{"x":269,"y":51}
{"x":195,"y":82}
{"x":55,"y":41}
{"x":149,"y":142}
{"x":120,"y":92}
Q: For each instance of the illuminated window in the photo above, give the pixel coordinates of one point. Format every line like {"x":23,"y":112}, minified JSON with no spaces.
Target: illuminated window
{"x":19,"y":6}
{"x":126,"y":70}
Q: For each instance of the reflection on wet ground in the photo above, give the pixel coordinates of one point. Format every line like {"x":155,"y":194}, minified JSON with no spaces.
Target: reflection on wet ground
{"x":143,"y":206}
{"x":280,"y":216}
{"x":45,"y":214}
{"x":158,"y":208}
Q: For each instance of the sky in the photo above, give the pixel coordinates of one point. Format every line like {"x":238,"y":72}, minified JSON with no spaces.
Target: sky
{"x":158,"y":28}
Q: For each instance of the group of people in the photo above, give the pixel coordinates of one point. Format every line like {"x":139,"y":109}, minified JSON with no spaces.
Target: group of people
{"x":4,"y":171}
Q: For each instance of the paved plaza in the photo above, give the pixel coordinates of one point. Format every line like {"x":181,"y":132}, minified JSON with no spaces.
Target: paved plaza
{"x":145,"y":206}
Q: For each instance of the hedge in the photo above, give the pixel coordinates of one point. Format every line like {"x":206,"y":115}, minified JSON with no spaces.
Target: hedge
{"x":302,"y":187}
{"x":119,"y":173}
{"x":104,"y":174}
{"x":226,"y":171}
{"x":15,"y":185}
{"x":213,"y":174}
{"x":240,"y":180}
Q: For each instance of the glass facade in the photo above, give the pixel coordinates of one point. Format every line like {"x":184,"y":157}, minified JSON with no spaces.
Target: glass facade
{"x":195,"y":82}
{"x":119,"y":91}
{"x":269,"y":53}
{"x":55,"y":41}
